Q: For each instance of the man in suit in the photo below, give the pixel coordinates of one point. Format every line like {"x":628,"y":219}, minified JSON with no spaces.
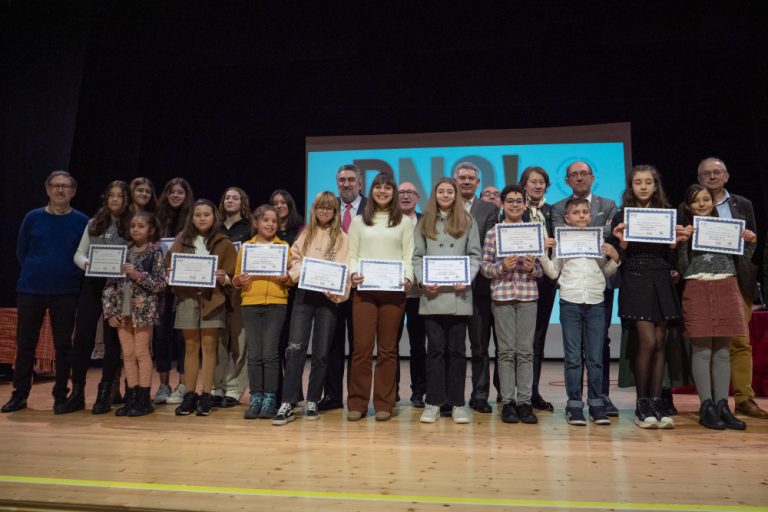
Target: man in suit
{"x":349,"y":181}
{"x":485,"y":214}
{"x":417,"y":337}
{"x":579,"y":177}
{"x":714,"y":175}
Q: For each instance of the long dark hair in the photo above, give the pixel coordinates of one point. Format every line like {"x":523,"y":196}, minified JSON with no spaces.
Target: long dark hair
{"x":395,"y":213}
{"x":166,"y":213}
{"x":189,"y":234}
{"x":658,"y":199}
{"x":103,"y":218}
{"x":152,"y":204}
{"x":152,"y":222}
{"x":294,"y":219}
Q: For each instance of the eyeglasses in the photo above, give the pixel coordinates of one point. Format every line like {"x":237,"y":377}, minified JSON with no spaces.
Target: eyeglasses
{"x":582,"y":174}
{"x":515,"y":202}
{"x":325,"y":209}
{"x":60,"y":187}
{"x":408,"y":193}
{"x":714,"y":174}
{"x":488,"y":193}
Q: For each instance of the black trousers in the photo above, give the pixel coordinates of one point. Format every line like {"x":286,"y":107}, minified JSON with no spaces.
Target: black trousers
{"x":446,"y":335}
{"x":334,"y":376}
{"x":479,"y":327}
{"x":282,"y":347}
{"x":417,"y":339}
{"x":547,"y":292}
{"x":31,"y":314}
{"x":89,"y":314}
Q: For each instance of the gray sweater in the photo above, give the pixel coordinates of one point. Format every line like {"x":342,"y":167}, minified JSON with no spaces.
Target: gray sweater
{"x":704,"y":262}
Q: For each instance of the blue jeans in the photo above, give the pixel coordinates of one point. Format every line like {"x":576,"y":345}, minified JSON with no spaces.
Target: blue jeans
{"x":262,"y":334}
{"x":583,"y":328}
{"x":308,"y":306}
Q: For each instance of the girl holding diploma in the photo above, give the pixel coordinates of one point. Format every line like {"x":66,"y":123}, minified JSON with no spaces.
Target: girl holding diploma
{"x":143,"y":194}
{"x":446,"y":229}
{"x":712,"y":312}
{"x":323,"y":239}
{"x":108,"y":227}
{"x":201,"y":312}
{"x":379,"y":233}
{"x":647,"y":295}
{"x":133,"y":305}
{"x":264,"y":303}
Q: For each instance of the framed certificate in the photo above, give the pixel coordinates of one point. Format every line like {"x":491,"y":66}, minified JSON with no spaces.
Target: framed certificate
{"x":579,"y":242}
{"x":264,"y":259}
{"x":718,"y":235}
{"x":382,"y":275}
{"x":193,"y":270}
{"x":322,"y":275}
{"x":106,"y":260}
{"x":520,"y":238}
{"x":165,"y":245}
{"x":446,"y":270}
{"x":652,"y":225}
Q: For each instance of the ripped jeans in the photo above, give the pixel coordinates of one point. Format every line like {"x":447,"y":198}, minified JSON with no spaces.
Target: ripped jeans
{"x":308,"y":306}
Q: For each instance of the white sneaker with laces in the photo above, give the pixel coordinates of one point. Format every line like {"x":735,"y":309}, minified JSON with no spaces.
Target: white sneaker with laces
{"x":178,"y":395}
{"x":163,"y":392}
{"x":460,"y":415}
{"x":431,"y":414}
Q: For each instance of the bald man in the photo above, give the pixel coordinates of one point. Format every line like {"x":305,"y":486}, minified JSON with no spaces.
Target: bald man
{"x":491,"y":195}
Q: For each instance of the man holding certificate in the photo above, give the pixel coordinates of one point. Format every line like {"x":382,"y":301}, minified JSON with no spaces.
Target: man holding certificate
{"x":446,"y":258}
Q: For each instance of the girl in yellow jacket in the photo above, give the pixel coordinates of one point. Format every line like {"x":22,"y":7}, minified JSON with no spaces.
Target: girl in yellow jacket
{"x":265,"y":300}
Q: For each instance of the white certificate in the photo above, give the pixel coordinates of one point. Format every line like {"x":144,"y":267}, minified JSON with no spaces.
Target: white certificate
{"x":322,"y":275}
{"x":165,"y":245}
{"x":382,"y":275}
{"x":264,"y":259}
{"x":193,"y":270}
{"x":106,"y":260}
{"x":519,"y":238}
{"x":579,"y":242}
{"x":718,"y":235}
{"x":652,"y":225}
{"x":446,"y":270}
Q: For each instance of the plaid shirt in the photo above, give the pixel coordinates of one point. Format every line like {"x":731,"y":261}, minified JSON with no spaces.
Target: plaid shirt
{"x":514,"y":284}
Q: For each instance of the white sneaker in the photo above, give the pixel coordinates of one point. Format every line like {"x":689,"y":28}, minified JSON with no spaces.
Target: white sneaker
{"x":460,"y":415}
{"x":163,"y":392}
{"x":178,"y":395}
{"x":431,"y":414}
{"x":666,"y":422}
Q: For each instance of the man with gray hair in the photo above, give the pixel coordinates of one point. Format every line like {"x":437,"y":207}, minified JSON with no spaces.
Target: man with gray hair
{"x":49,"y":281}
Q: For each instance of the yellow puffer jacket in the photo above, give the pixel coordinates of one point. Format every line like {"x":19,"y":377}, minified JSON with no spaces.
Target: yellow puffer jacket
{"x":263,"y":289}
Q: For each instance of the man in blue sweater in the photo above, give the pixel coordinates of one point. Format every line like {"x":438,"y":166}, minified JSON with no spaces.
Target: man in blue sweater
{"x":50,"y":281}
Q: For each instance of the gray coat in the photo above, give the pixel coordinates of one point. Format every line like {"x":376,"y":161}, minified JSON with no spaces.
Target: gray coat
{"x":446,"y":301}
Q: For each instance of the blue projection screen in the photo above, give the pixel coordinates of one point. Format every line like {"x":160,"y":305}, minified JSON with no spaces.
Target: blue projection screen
{"x":501,"y":156}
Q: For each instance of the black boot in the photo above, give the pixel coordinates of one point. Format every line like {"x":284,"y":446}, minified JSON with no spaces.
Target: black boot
{"x":74,"y":402}
{"x":709,"y":417}
{"x":669,"y":405}
{"x":103,"y":399}
{"x":143,"y":405}
{"x":725,"y":414}
{"x":131,"y":396}
{"x":114,"y":386}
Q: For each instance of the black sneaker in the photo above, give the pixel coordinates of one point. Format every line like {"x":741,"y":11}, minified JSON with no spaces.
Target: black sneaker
{"x":188,"y":404}
{"x":669,"y":405}
{"x":525,"y":412}
{"x":660,"y":411}
{"x":284,"y":415}
{"x":644,"y":417}
{"x":575,"y":416}
{"x":216,"y":400}
{"x":417,"y":400}
{"x":598,"y":416}
{"x":509,"y":413}
{"x":16,"y":403}
{"x":610,"y":409}
{"x":310,"y":411}
{"x":268,"y":407}
{"x":203,"y":405}
{"x":326,"y":404}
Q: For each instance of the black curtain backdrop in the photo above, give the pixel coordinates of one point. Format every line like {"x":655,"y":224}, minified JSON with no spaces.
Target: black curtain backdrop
{"x":224,"y":93}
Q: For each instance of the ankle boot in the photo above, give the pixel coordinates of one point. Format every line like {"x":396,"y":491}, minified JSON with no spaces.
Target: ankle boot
{"x":708,"y":416}
{"x":74,"y":402}
{"x":131,"y":396}
{"x":103,"y":399}
{"x":725,"y":414}
{"x":143,"y":405}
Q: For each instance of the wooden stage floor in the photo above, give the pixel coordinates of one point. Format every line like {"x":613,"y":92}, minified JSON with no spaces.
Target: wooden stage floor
{"x":225,"y":463}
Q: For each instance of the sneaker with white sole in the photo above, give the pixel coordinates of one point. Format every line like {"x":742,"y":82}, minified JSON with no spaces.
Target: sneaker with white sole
{"x":431,"y":414}
{"x":575,"y":416}
{"x":460,"y":415}
{"x":662,"y":416}
{"x":163,"y":392}
{"x":644,"y":417}
{"x":178,"y":395}
{"x":310,"y":412}
{"x":284,"y":414}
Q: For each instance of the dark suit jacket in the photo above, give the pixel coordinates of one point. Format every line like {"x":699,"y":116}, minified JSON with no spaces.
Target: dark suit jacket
{"x":360,"y":208}
{"x":547,"y":211}
{"x":485,"y":215}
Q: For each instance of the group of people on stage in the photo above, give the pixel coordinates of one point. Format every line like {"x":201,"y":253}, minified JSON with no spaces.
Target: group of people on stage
{"x":253,"y":331}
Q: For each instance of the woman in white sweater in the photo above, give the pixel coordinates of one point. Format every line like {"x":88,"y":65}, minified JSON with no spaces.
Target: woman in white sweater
{"x":381,"y":233}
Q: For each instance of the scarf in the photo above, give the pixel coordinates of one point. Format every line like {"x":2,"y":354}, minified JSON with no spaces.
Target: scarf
{"x":536,"y":214}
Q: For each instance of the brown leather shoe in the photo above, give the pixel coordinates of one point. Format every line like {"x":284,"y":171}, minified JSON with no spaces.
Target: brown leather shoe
{"x":751,"y":409}
{"x":383,"y":416}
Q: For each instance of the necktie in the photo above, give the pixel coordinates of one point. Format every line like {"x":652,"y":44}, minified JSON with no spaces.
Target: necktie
{"x":347,"y":220}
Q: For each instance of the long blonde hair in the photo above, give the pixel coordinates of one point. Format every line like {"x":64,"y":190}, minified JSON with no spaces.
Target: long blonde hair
{"x":327,"y":199}
{"x":457,"y":220}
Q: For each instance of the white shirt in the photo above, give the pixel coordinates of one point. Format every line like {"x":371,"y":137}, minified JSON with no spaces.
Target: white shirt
{"x":414,"y":219}
{"x":588,"y":198}
{"x":582,"y":280}
{"x":468,"y":204}
{"x":355,"y":205}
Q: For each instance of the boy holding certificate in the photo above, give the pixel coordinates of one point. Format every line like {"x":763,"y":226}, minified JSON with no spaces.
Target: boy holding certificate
{"x":582,"y":315}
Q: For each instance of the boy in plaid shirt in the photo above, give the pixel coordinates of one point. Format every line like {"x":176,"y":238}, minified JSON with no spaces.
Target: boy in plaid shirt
{"x":515,"y":296}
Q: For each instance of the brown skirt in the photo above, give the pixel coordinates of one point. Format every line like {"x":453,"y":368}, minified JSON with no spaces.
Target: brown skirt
{"x":713,"y":309}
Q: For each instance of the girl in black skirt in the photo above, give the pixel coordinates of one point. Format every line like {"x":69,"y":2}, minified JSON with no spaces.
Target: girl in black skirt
{"x":647,"y":295}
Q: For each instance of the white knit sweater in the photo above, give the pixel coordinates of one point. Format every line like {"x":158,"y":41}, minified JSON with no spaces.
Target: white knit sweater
{"x":380,"y":242}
